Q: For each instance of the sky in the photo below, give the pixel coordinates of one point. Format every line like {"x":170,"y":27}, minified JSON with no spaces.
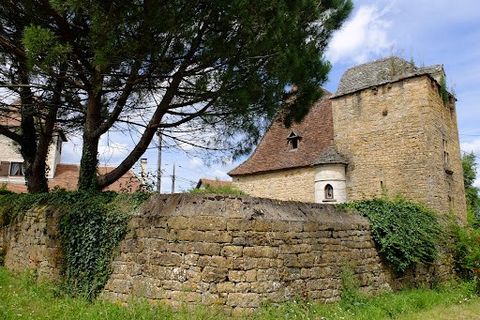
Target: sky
{"x":425,"y":31}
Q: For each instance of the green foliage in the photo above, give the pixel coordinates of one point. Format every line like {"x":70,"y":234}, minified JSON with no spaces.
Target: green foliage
{"x":89,"y":231}
{"x":91,"y":226}
{"x":471,"y":192}
{"x":467,"y":251}
{"x":234,"y":58}
{"x":405,"y":233}
{"x":4,"y":190}
{"x":43,"y":48}
{"x":351,"y":296}
{"x":26,"y":299}
{"x":227,"y":190}
{"x":443,"y":90}
{"x":13,"y":205}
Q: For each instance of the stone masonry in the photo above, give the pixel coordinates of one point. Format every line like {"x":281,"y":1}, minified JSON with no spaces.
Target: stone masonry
{"x":230,"y":252}
{"x":409,"y":119}
{"x":31,"y":243}
{"x":237,"y":253}
{"x":293,"y":184}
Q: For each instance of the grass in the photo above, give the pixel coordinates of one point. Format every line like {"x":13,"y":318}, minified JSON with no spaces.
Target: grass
{"x":22,"y":298}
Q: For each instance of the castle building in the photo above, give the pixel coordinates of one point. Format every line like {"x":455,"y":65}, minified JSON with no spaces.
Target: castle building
{"x":391,"y":128}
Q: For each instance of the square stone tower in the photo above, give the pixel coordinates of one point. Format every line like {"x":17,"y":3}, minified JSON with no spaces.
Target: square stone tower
{"x":397,"y":126}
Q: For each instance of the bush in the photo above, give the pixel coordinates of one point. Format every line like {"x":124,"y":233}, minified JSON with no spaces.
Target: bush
{"x":467,"y":253}
{"x":219,"y":190}
{"x":4,"y":190}
{"x":406,"y":233}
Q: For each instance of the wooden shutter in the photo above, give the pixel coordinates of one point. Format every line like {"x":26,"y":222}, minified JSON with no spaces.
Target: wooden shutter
{"x":4,"y":168}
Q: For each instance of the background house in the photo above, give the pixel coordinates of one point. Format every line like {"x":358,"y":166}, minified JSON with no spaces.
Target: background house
{"x":60,"y":175}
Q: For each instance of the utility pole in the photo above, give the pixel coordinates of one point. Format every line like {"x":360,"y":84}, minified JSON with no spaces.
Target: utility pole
{"x":159,"y":161}
{"x":173,"y":179}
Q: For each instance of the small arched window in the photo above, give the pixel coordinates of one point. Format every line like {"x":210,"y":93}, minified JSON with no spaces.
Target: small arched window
{"x":328,"y":192}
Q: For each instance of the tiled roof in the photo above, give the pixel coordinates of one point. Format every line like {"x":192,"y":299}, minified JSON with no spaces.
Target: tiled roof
{"x":330,"y":156}
{"x":274,"y":152}
{"x":382,"y":71}
{"x":213,"y":183}
{"x":66,"y":177}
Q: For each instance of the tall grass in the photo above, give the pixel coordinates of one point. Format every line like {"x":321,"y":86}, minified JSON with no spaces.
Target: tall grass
{"x":22,"y":298}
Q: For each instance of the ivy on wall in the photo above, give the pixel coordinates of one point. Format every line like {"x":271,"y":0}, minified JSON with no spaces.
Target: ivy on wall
{"x":91,"y":226}
{"x":89,"y":231}
{"x":406,"y":233}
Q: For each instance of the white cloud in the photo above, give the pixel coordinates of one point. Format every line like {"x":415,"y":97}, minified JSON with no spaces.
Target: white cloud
{"x":112,"y":152}
{"x":361,"y":37}
{"x":472,"y":146}
{"x":221,"y":174}
{"x":195,"y":163}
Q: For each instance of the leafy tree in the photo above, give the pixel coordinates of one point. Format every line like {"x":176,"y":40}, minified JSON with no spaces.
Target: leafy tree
{"x":471,"y":192}
{"x":219,"y":65}
{"x":30,"y":99}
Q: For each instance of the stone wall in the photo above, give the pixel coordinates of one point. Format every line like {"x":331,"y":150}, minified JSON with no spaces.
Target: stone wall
{"x":291,"y":184}
{"x":31,"y":243}
{"x":409,"y":119}
{"x":239,"y":252}
{"x":230,"y":252}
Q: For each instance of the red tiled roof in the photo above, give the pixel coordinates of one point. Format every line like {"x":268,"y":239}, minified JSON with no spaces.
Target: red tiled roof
{"x":274,"y":153}
{"x":66,"y":177}
{"x":213,"y":183}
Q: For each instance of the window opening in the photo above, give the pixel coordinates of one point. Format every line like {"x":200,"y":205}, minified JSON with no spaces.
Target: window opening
{"x":328,"y":192}
{"x":446,"y":156}
{"x":293,"y":140}
{"x":16,"y":169}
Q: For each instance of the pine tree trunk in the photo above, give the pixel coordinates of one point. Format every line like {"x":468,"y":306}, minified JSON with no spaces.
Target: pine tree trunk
{"x":87,"y":180}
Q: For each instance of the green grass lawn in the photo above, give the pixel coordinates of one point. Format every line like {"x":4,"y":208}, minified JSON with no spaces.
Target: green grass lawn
{"x":22,"y":298}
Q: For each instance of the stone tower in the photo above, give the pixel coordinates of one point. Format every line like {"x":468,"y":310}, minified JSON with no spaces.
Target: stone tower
{"x":397,"y":127}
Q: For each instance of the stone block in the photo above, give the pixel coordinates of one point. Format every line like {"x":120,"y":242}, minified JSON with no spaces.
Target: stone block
{"x":212,"y":274}
{"x":244,"y":300}
{"x":225,"y":287}
{"x":260,"y":252}
{"x":167,"y":259}
{"x":232,"y":251}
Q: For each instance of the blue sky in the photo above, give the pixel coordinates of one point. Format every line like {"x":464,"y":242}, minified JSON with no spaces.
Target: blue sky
{"x":427,"y":31}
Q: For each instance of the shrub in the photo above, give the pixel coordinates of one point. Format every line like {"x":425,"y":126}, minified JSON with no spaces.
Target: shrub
{"x":227,"y":190}
{"x":351,"y":296}
{"x":405,"y":233}
{"x":4,"y":190}
{"x":467,"y":253}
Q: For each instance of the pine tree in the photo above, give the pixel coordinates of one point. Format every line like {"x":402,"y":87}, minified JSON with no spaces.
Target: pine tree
{"x":221,"y":64}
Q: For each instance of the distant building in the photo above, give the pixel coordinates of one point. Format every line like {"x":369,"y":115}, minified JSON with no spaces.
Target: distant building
{"x":59,"y":175}
{"x":390,"y":128}
{"x":212,"y":183}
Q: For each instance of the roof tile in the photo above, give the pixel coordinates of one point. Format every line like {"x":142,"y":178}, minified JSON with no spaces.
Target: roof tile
{"x":274,"y":153}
